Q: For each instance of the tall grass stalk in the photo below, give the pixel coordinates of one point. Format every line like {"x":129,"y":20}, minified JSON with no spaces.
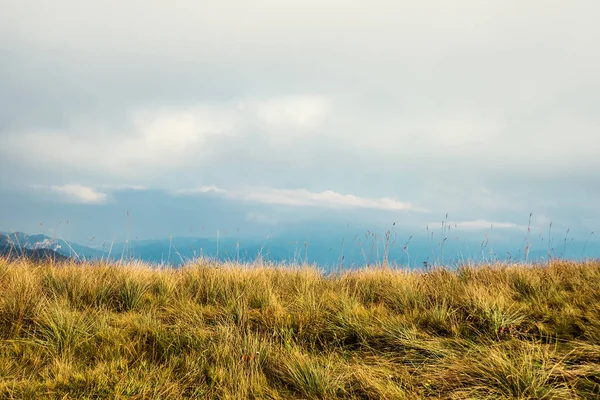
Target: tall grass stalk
{"x":224,"y":330}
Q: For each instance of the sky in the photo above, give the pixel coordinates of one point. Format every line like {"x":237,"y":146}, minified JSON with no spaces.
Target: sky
{"x":269,"y":115}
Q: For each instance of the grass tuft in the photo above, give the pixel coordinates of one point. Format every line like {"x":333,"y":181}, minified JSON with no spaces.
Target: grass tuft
{"x":222,"y":330}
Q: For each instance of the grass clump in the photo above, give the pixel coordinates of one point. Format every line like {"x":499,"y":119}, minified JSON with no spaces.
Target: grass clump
{"x":211,"y":330}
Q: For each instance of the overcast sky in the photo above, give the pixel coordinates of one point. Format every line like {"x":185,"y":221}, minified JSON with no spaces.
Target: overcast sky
{"x":294,"y":111}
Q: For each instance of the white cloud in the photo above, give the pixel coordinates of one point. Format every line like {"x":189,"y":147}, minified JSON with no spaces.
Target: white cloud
{"x":164,"y":139}
{"x":481,"y":224}
{"x":303,"y":197}
{"x":205,"y":189}
{"x":118,"y":187}
{"x":75,"y":193}
{"x":161,"y":139}
{"x":296,"y":112}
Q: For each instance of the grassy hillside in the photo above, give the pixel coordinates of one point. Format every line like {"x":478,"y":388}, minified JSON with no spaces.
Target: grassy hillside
{"x":226,"y":331}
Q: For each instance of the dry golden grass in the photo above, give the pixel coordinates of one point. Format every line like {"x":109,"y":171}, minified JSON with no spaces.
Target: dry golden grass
{"x":208,"y":330}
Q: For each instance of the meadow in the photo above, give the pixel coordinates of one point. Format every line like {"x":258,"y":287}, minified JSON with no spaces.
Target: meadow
{"x":229,"y":331}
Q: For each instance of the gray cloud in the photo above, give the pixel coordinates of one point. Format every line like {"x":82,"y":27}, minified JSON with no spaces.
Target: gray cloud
{"x":485,"y":110}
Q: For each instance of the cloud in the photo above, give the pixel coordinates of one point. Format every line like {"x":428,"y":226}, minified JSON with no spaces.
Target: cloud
{"x":295,"y":112}
{"x":75,"y":193}
{"x":303,"y":197}
{"x":164,"y":139}
{"x":119,"y":187}
{"x":424,"y":100}
{"x":305,"y":131}
{"x":481,"y":224}
{"x":205,"y":189}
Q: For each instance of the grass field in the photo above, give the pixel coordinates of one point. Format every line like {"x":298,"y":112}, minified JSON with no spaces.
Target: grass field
{"x":230,"y":331}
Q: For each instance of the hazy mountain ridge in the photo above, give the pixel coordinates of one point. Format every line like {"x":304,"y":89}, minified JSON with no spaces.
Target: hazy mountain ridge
{"x":326,"y":251}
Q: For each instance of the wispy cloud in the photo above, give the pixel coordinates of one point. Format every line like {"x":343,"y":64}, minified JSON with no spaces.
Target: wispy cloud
{"x":303,"y":197}
{"x":480,"y":224}
{"x":118,"y":187}
{"x":75,"y":193}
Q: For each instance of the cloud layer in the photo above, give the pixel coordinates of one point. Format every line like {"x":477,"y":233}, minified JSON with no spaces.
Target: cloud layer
{"x":486,"y":110}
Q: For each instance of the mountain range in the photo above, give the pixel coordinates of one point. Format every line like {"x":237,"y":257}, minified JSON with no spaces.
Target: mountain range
{"x":326,"y":251}
{"x":12,"y":248}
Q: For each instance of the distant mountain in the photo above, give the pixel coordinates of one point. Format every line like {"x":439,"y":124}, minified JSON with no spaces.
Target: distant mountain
{"x":44,"y":244}
{"x":39,"y":252}
{"x":328,"y":252}
{"x":180,"y":250}
{"x":325,"y":250}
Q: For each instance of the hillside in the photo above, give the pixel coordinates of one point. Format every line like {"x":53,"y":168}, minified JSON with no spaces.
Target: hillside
{"x":10,"y":250}
{"x":228,"y":331}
